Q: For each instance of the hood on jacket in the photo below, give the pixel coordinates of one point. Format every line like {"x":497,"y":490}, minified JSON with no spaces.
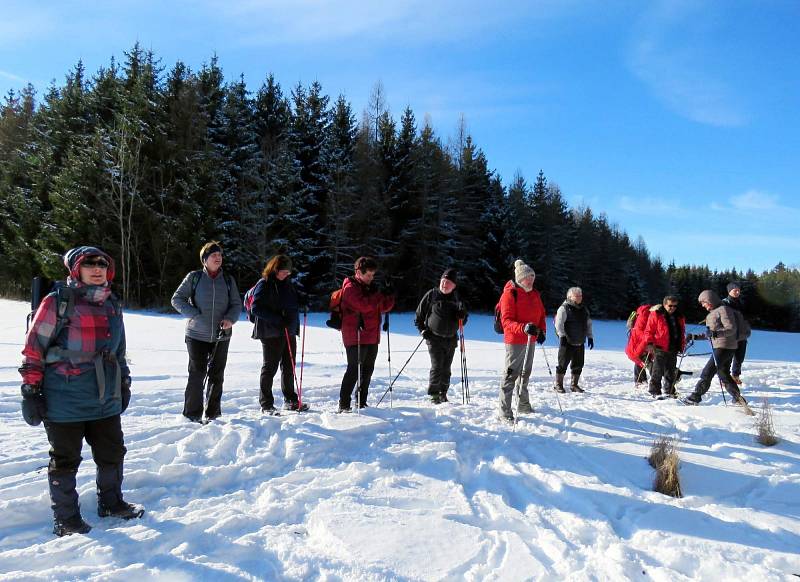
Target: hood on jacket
{"x":74,"y":257}
{"x":711,"y":297}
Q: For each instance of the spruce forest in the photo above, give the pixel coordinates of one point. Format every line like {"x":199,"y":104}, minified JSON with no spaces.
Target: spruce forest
{"x":150,"y":163}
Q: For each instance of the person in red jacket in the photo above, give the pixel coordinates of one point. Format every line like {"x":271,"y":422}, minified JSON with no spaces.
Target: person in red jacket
{"x":666,"y":337}
{"x":636,"y":348}
{"x":523,"y":317}
{"x":362,"y":305}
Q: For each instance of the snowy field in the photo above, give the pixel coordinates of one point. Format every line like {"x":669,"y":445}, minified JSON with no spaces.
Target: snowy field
{"x":415,"y":492}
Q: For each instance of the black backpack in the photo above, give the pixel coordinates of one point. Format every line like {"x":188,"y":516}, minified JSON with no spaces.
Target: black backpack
{"x":498,"y":323}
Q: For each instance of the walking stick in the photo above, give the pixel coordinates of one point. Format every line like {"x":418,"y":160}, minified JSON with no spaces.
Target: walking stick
{"x":389,"y":349}
{"x":716,"y":365}
{"x":207,"y":377}
{"x":388,"y":390}
{"x":558,"y":399}
{"x":518,"y":383}
{"x":464,"y":372}
{"x":358,"y":387}
{"x":291,"y":359}
{"x":302,"y":358}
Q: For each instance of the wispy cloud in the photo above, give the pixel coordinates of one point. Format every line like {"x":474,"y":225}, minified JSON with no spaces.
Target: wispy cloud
{"x":755,"y":200}
{"x":674,"y":65}
{"x":11,"y":77}
{"x":647,"y":205}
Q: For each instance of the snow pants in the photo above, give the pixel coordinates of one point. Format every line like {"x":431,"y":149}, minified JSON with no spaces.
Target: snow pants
{"x":572,"y":356}
{"x":665,"y":368}
{"x":738,"y":358}
{"x":441,"y":350}
{"x":720,"y":364}
{"x":365,"y":355}
{"x":516,"y":369}
{"x":276,"y":354}
{"x":204,"y":358}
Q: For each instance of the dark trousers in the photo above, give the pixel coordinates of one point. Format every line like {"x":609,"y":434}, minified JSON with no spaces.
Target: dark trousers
{"x":570,"y":354}
{"x":441,"y":350}
{"x":720,"y":364}
{"x":664,"y":371}
{"x":108,"y":450}
{"x":276,"y":354}
{"x":367,"y":354}
{"x":738,"y":358}
{"x":205,"y":357}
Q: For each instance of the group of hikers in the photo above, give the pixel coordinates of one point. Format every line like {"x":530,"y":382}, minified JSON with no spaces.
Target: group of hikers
{"x":77,"y":381}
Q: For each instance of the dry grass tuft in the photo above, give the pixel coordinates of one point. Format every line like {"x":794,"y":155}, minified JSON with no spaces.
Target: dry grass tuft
{"x":765,"y":428}
{"x":664,"y":459}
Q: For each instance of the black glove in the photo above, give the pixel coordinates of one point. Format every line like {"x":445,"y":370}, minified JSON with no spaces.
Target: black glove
{"x":530,"y":329}
{"x":34,"y":405}
{"x":126,"y":392}
{"x":590,"y":341}
{"x":427,"y":334}
{"x":713,"y":334}
{"x":541,"y":337}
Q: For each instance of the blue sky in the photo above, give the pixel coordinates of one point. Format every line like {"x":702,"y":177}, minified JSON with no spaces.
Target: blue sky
{"x":678,"y":119}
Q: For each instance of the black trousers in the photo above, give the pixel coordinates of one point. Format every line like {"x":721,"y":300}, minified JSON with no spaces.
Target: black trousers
{"x":570,"y":354}
{"x":441,"y":350}
{"x":368,"y":355}
{"x":276,"y":354}
{"x":66,"y":442}
{"x":664,"y":370}
{"x":209,"y":357}
{"x":738,"y":358}
{"x":720,"y":364}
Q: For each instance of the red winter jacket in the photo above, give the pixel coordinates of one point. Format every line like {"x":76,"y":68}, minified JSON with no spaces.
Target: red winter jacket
{"x":515,"y":313}
{"x":637,"y":340}
{"x":364,"y":301}
{"x":657,"y":332}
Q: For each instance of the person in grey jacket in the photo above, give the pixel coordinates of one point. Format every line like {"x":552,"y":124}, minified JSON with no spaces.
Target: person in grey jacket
{"x":573,"y":327}
{"x":211,"y":300}
{"x":722,"y":326}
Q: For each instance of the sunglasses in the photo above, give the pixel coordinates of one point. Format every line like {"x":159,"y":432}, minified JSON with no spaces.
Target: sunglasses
{"x":89,"y":263}
{"x":670,"y":305}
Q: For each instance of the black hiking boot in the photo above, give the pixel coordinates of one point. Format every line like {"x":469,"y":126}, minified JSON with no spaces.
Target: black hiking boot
{"x":297,"y":407}
{"x":270,"y":410}
{"x":122,"y":510}
{"x":559,"y":385}
{"x":436,"y":399}
{"x":71,"y":525}
{"x":575,"y":387}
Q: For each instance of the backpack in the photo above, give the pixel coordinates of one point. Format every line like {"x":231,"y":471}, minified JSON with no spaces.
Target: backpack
{"x":196,"y":281}
{"x":640,"y":315}
{"x":249,"y":297}
{"x":498,"y":322}
{"x":335,"y":306}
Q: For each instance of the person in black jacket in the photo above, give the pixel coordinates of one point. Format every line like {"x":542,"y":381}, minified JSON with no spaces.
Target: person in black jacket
{"x":437,"y":317}
{"x":276,"y":308}
{"x":734,"y":300}
{"x":573,"y":327}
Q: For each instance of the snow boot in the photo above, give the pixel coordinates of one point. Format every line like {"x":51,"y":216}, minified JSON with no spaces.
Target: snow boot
{"x":443,"y":397}
{"x":692,"y":399}
{"x":109,"y":494}
{"x":67,"y":518}
{"x":436,"y":398}
{"x":559,"y":385}
{"x":575,"y":387}
{"x":297,"y":407}
{"x":71,"y":525}
{"x":525,"y":408}
{"x":270,"y":410}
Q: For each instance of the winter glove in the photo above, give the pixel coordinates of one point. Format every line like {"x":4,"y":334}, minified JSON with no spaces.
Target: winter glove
{"x":286,"y":319}
{"x":562,"y":341}
{"x":530,"y":329}
{"x":650,"y":349}
{"x":126,"y":392}
{"x":427,"y":334}
{"x":385,"y":326}
{"x":540,"y":338}
{"x":590,"y":341}
{"x":34,"y":405}
{"x":713,"y":334}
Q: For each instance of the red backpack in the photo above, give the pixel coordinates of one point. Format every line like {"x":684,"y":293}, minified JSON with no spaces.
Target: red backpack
{"x":335,"y":306}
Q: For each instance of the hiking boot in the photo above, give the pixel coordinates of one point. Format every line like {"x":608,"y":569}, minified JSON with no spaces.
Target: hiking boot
{"x":345,"y":409}
{"x":740,"y":401}
{"x":122,"y":510}
{"x":443,"y":397}
{"x":71,"y":525}
{"x":575,"y":387}
{"x":197,"y":419}
{"x":295,"y":406}
{"x":559,"y":385}
{"x":525,"y":409}
{"x":271,"y":410}
{"x":692,"y":399}
{"x":363,"y":405}
{"x":436,"y":399}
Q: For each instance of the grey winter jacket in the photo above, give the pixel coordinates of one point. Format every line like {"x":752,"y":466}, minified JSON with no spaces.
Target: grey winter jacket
{"x":722,"y":320}
{"x":213,"y":302}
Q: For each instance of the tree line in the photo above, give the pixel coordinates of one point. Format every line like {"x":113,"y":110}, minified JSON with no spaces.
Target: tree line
{"x":149,"y":163}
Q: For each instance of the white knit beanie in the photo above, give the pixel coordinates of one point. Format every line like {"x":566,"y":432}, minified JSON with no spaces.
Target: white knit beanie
{"x":521,"y":270}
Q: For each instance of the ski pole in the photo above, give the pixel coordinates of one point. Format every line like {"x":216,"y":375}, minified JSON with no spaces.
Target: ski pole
{"x":716,"y":365}
{"x":464,"y":371}
{"x":644,"y":367}
{"x":209,"y":365}
{"x":291,"y":359}
{"x":389,"y":356}
{"x":391,"y":384}
{"x":302,"y":358}
{"x":546,"y":361}
{"x":358,"y":388}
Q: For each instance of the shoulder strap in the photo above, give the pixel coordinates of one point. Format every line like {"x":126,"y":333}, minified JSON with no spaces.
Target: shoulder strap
{"x":195,"y":282}
{"x":65,"y":305}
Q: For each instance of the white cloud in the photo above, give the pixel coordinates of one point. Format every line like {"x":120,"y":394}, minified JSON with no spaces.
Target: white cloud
{"x":647,"y":205}
{"x":671,"y":64}
{"x":755,"y":200}
{"x":11,"y":77}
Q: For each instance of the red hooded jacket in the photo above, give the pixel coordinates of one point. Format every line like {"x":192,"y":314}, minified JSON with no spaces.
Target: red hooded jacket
{"x":637,"y":340}
{"x":657,"y":332}
{"x":527,"y":307}
{"x":362,"y":302}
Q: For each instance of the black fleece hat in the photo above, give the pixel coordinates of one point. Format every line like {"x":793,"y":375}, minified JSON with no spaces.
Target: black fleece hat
{"x":732,"y":286}
{"x":451,"y":275}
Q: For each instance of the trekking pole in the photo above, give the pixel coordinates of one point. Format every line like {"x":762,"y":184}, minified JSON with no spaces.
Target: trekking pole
{"x":716,"y":365}
{"x":358,"y":387}
{"x":644,"y":367}
{"x":464,"y":372}
{"x":518,"y":384}
{"x":302,"y":358}
{"x":558,"y":399}
{"x":389,"y":349}
{"x":400,"y":372}
{"x":291,"y":359}
{"x":207,"y":377}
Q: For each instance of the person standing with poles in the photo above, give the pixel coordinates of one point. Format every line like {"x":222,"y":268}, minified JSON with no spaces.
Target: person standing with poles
{"x":76,"y":379}
{"x":276,"y":310}
{"x":734,"y":301}
{"x":522,"y":315}
{"x":211,"y":300}
{"x":574,"y":328}
{"x":721,"y":323}
{"x":362,"y":305}
{"x":439,"y":318}
{"x":665,"y":338}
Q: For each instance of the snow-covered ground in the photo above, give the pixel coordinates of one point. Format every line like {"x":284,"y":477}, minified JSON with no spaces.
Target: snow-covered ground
{"x":415,"y":492}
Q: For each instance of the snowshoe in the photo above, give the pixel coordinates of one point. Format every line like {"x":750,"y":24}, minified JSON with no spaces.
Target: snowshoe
{"x":576,"y":388}
{"x":691,"y":400}
{"x":295,"y":406}
{"x":122,"y":510}
{"x":270,"y":411}
{"x":69,"y":526}
{"x":344,"y":409}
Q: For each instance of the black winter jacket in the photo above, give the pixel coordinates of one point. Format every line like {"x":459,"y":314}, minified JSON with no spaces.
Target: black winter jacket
{"x":275,"y":307}
{"x":439,"y":313}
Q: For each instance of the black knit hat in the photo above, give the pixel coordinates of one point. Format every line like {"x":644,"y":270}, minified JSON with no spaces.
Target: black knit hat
{"x":732,"y":286}
{"x":451,"y":275}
